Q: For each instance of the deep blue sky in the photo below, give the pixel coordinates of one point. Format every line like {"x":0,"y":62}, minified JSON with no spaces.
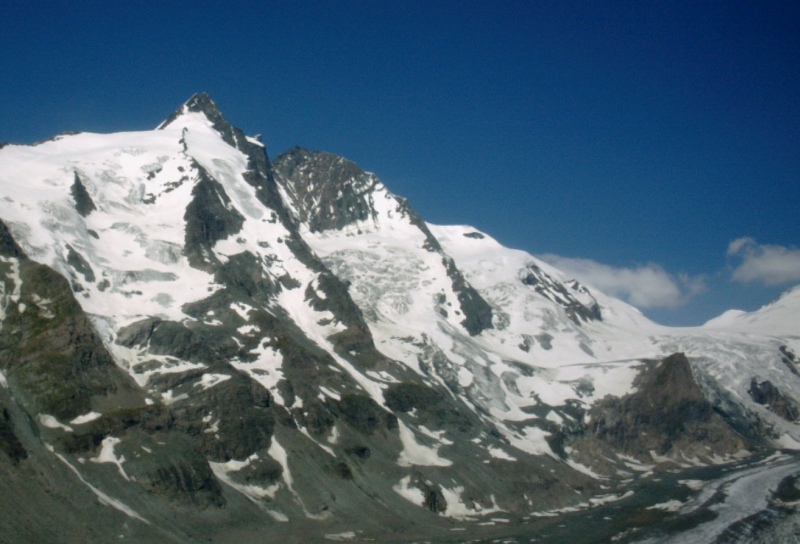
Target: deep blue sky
{"x":645,"y":136}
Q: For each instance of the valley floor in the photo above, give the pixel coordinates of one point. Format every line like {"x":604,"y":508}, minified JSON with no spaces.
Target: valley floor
{"x":757,"y":500}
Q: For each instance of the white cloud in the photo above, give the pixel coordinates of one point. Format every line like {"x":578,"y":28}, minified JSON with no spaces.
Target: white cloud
{"x":645,"y":286}
{"x":768,"y":264}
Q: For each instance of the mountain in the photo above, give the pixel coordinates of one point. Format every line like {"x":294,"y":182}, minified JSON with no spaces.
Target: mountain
{"x":201,"y":344}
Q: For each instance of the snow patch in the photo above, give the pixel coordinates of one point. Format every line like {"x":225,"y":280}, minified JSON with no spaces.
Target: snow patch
{"x":531,"y":439}
{"x":209,"y":380}
{"x":347,"y":535}
{"x":330,"y":393}
{"x":668,"y":506}
{"x":415,"y":453}
{"x":85,"y":418}
{"x":52,"y":423}
{"x":499,"y":453}
{"x":409,"y":493}
{"x":256,"y":494}
{"x":458,"y":509}
{"x":694,"y":485}
{"x":107,"y":455}
{"x":583,"y":469}
{"x":266,"y":369}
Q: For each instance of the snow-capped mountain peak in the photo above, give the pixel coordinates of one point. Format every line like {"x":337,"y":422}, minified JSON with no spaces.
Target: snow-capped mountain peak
{"x":775,"y":318}
{"x":207,"y":341}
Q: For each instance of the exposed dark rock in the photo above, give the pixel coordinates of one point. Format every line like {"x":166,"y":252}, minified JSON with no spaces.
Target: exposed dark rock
{"x":435,"y":408}
{"x":8,"y":246}
{"x":9,"y":442}
{"x":139,"y":333}
{"x":666,"y":414}
{"x":766,"y":394}
{"x":81,"y":265}
{"x":230,"y":420}
{"x":788,"y":490}
{"x":56,"y":358}
{"x":83,"y":201}
{"x":546,"y":340}
{"x":364,"y":415}
{"x":356,"y":340}
{"x":361,"y":452}
{"x":169,"y":465}
{"x":404,"y":397}
{"x":789,"y":359}
{"x":209,"y":219}
{"x":88,"y":436}
{"x":434,"y":500}
{"x":527,"y":343}
{"x":243,"y":276}
{"x":339,"y":469}
{"x":263,"y":471}
{"x":554,"y":290}
{"x":477,"y":312}
{"x":327,"y":191}
{"x":316,"y":417}
{"x":204,"y":344}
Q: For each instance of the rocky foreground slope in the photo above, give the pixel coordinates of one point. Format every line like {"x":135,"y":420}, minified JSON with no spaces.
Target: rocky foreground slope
{"x":200,"y":344}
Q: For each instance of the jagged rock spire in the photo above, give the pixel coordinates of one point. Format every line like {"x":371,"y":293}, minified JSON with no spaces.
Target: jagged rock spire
{"x":203,"y":103}
{"x":260,"y":171}
{"x":198,"y":102}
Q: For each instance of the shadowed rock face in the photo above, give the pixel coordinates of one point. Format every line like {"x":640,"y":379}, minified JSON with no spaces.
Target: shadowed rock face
{"x":8,"y":246}
{"x":9,"y":441}
{"x":667,"y":415}
{"x":83,"y":201}
{"x":327,"y":192}
{"x":535,"y":277}
{"x":766,"y":394}
{"x":209,"y":219}
{"x":56,"y":366}
{"x":789,"y":359}
{"x":56,"y":356}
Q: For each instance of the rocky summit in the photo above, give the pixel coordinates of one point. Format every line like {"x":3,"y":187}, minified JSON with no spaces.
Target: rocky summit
{"x":199,"y":344}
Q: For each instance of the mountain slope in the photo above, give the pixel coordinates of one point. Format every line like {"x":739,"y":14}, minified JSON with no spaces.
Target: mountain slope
{"x":191,"y":331}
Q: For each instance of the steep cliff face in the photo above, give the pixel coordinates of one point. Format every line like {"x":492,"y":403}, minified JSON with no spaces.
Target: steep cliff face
{"x":196,"y":343}
{"x":332,"y":197}
{"x":326,"y":192}
{"x":667,"y":418}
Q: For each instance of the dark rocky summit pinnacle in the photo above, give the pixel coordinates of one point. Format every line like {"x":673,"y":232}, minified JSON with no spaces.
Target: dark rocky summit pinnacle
{"x":203,"y":103}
